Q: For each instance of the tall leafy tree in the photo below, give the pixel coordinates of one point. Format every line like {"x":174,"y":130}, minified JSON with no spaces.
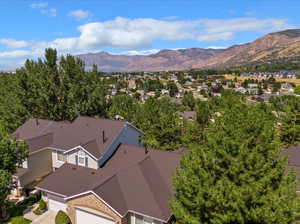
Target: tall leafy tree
{"x":288,"y":114}
{"x":158,"y":119}
{"x":60,"y":89}
{"x":12,"y":154}
{"x":12,"y":112}
{"x":236,"y":174}
{"x":123,"y":105}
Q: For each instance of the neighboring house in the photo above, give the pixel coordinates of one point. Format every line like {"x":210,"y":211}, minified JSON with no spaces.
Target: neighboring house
{"x":87,"y":142}
{"x":189,"y":115}
{"x":134,"y":186}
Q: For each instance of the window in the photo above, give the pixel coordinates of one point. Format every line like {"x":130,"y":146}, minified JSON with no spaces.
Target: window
{"x":81,"y":160}
{"x":61,"y":156}
{"x":147,"y":220}
{"x":138,"y":219}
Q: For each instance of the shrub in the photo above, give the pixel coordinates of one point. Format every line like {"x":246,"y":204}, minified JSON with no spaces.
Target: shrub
{"x":42,"y":205}
{"x":37,"y":211}
{"x":62,"y":218}
{"x":19,"y":220}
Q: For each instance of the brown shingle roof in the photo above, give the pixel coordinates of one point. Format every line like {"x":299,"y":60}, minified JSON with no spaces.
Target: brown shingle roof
{"x":64,"y":135}
{"x":132,"y":180}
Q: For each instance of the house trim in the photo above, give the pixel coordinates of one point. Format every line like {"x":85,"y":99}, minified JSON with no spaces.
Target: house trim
{"x":92,"y":192}
{"x":82,"y":148}
{"x":122,"y":216}
{"x":134,"y":127}
{"x":50,"y":192}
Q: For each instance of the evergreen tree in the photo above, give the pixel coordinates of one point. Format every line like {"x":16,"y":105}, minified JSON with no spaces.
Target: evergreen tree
{"x":236,"y":174}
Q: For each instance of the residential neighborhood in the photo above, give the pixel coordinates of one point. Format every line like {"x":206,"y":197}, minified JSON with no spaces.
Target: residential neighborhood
{"x":150,"y":112}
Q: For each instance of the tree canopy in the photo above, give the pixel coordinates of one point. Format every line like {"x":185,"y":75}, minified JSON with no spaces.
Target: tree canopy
{"x":236,"y":174}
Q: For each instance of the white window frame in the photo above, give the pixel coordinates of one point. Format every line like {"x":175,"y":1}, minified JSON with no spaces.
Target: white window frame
{"x":133,"y":219}
{"x":61,"y":153}
{"x":81,"y":157}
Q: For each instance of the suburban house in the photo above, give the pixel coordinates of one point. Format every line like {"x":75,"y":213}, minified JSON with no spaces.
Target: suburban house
{"x":87,"y":142}
{"x":134,"y":186}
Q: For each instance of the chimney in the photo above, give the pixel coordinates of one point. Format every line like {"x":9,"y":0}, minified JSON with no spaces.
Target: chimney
{"x":103,"y":136}
{"x":146,"y":150}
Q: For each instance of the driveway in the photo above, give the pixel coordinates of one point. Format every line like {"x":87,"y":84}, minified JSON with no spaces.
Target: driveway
{"x":46,"y":218}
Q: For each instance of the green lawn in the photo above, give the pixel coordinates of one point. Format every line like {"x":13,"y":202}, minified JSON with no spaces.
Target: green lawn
{"x":18,"y":220}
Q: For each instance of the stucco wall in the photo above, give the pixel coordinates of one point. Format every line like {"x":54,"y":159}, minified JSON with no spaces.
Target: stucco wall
{"x":90,"y":201}
{"x":39,"y":164}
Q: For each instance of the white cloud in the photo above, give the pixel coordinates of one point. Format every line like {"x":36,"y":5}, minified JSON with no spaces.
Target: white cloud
{"x":80,"y":14}
{"x":11,"y":43}
{"x":135,"y":34}
{"x":44,"y":9}
{"x":39,"y":5}
{"x":136,"y":52}
{"x":216,"y":47}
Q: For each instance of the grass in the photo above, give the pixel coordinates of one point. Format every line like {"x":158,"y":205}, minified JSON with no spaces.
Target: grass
{"x":16,"y":210}
{"x":242,"y":78}
{"x":18,"y":220}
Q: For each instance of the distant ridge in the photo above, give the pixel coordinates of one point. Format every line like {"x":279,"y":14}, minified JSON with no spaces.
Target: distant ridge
{"x":274,"y":46}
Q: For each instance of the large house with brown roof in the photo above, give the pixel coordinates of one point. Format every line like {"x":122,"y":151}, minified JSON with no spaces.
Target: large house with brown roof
{"x":97,"y":171}
{"x":134,"y":186}
{"x":87,"y":142}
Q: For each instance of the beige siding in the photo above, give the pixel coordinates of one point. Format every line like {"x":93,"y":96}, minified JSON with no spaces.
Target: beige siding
{"x":55,"y":162}
{"x":90,"y":201}
{"x":92,"y":163}
{"x":39,"y":165}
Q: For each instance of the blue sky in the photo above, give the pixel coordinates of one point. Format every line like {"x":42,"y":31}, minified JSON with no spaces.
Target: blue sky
{"x":135,"y":26}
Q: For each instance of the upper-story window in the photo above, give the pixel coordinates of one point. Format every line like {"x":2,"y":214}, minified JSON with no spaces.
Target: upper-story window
{"x":61,"y":156}
{"x":82,"y":160}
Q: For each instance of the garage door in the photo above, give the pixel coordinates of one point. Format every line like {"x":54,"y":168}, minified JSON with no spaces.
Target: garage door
{"x":56,"y":205}
{"x":84,"y":217}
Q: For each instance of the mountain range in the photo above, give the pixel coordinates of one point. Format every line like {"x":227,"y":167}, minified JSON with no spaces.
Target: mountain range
{"x":278,"y":46}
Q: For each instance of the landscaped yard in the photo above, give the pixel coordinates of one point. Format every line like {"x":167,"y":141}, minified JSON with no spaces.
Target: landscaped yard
{"x":16,"y":210}
{"x":18,"y":220}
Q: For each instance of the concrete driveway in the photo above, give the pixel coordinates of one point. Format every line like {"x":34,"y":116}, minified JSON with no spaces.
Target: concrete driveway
{"x":46,"y":218}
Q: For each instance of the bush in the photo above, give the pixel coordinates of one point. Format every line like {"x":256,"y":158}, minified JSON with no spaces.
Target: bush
{"x":37,"y":211}
{"x":42,"y":205}
{"x":62,"y":218}
{"x":19,"y":220}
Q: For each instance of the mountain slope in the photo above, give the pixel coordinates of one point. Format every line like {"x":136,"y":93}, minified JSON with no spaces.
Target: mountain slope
{"x":273,"y":46}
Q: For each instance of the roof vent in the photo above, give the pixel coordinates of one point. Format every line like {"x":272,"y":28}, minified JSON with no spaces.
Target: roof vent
{"x":103,"y":137}
{"x":37,"y":122}
{"x":93,"y":172}
{"x":146,"y":150}
{"x":74,"y":168}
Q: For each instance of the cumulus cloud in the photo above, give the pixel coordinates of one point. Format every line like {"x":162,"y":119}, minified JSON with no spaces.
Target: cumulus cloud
{"x":44,"y":9}
{"x":11,"y":43}
{"x":80,"y":14}
{"x":132,"y":35}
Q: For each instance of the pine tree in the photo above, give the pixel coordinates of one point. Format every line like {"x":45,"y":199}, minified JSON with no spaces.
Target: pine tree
{"x":236,"y":174}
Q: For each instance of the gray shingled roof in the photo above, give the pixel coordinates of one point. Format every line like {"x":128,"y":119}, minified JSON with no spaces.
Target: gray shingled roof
{"x":84,"y":131}
{"x":132,"y":180}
